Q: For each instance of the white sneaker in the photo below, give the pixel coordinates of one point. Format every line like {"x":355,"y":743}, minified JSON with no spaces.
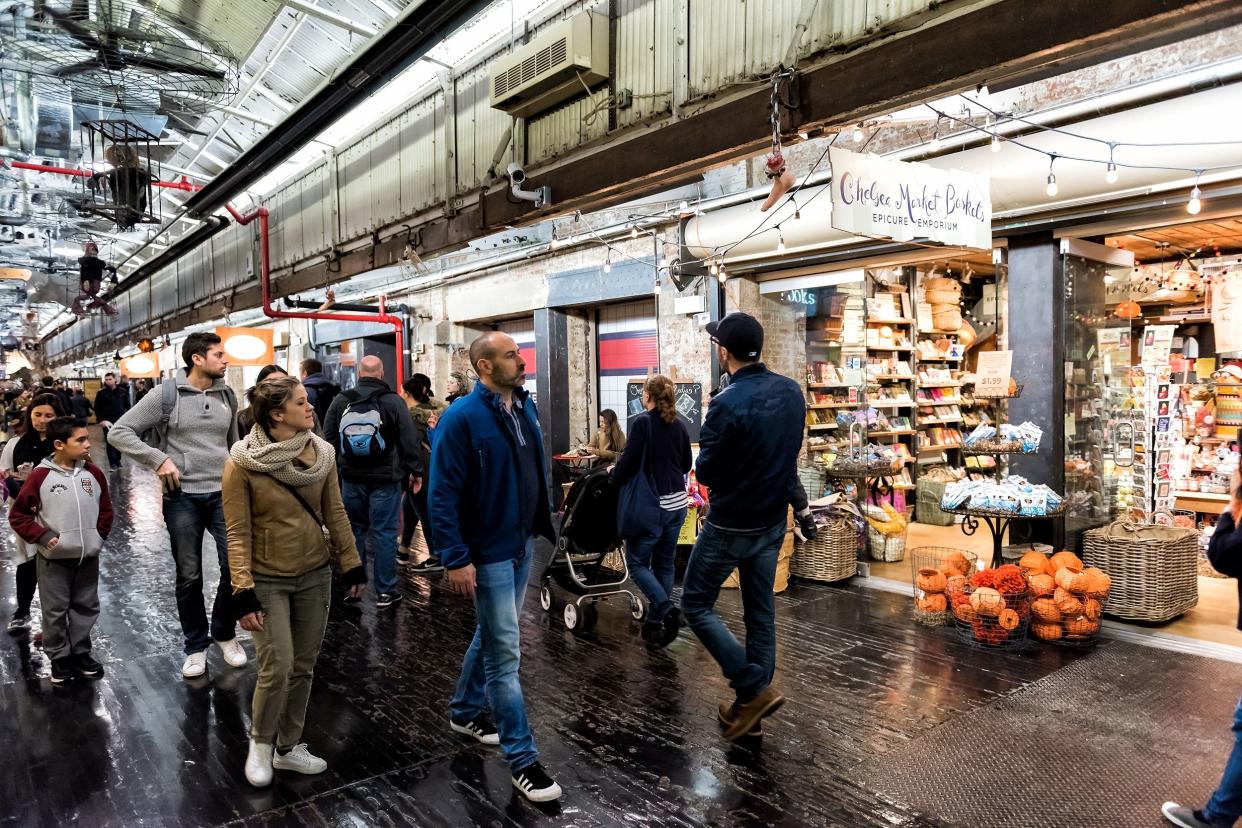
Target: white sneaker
{"x":259,"y":764}
{"x":234,"y":654}
{"x":195,"y":665}
{"x":299,"y":759}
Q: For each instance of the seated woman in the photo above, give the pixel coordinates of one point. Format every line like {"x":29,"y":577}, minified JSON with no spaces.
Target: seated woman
{"x":609,"y":441}
{"x":660,"y":443}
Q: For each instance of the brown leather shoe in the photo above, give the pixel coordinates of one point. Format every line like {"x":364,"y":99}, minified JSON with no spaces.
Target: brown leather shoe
{"x":725,"y":715}
{"x":750,"y":714}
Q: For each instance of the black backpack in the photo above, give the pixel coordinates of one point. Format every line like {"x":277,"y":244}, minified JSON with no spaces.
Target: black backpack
{"x":324,"y":395}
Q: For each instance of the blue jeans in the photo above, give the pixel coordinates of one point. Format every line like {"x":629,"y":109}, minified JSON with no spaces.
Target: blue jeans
{"x":716,"y":554}
{"x":653,"y":564}
{"x":373,"y":512}
{"x":187,"y":517}
{"x":1225,"y":806}
{"x":489,"y":672}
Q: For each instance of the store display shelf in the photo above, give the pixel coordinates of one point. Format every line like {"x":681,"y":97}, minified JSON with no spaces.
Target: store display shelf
{"x":940,"y":385}
{"x":890,"y":433}
{"x":825,"y":447}
{"x":943,"y":447}
{"x":940,"y":359}
{"x":988,"y":451}
{"x":890,"y":321}
{"x":814,"y":406}
{"x":892,"y":404}
{"x":1216,"y":496}
{"x":942,"y":421}
{"x":828,"y":385}
{"x":967,"y":511}
{"x":889,"y":377}
{"x":821,"y":426}
{"x":895,"y":348}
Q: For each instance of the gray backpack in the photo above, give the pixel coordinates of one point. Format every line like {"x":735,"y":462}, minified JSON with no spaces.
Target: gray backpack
{"x":157,"y":437}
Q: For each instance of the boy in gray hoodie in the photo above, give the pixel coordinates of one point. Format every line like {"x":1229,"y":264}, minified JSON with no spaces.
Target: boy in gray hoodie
{"x":64,"y":508}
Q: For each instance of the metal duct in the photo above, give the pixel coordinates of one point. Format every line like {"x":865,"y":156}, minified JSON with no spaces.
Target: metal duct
{"x":408,"y":38}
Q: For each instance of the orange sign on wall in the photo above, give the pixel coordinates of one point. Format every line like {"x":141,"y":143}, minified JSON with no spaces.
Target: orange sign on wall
{"x":247,"y":346}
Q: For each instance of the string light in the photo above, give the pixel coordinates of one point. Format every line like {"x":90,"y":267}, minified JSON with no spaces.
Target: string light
{"x":859,"y":135}
{"x":634,"y":232}
{"x":780,"y":245}
{"x":1195,"y":204}
{"x":935,"y":141}
{"x":714,"y":269}
{"x":555,"y":243}
{"x":1052,"y":187}
{"x":684,"y":207}
{"x":608,"y":262}
{"x":1111,"y":175}
{"x":721,"y":275}
{"x":996,"y":143}
{"x":982,"y":90}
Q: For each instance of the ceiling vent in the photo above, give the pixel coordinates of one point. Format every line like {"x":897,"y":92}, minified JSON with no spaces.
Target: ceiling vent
{"x":553,"y":68}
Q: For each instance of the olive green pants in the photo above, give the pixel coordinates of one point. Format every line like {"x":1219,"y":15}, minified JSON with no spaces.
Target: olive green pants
{"x":295,"y":618}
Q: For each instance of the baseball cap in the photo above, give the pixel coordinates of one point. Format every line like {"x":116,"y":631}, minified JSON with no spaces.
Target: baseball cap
{"x":740,"y":333}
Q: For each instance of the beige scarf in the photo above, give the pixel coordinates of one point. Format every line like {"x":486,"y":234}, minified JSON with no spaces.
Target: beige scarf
{"x":257,"y":453}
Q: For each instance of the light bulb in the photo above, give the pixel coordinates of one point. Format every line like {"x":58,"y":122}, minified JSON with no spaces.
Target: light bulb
{"x":1195,"y":204}
{"x":555,"y":243}
{"x":935,"y":143}
{"x":663,"y":262}
{"x":1052,"y":185}
{"x":684,"y":207}
{"x":858,"y":134}
{"x":780,"y":245}
{"x":658,"y":287}
{"x":982,"y":90}
{"x":714,"y":269}
{"x":996,"y":143}
{"x":1111,"y":175}
{"x":722,"y":276}
{"x":633,"y":232}
{"x":608,"y":267}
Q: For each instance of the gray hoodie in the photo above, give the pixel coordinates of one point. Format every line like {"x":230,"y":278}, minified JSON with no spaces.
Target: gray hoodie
{"x":201,"y":428}
{"x":69,"y":504}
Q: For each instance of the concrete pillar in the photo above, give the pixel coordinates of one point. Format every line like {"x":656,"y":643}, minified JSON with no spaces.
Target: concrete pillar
{"x":552,"y":374}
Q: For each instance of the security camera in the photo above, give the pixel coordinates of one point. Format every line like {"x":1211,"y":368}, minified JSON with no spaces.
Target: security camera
{"x":540,"y":196}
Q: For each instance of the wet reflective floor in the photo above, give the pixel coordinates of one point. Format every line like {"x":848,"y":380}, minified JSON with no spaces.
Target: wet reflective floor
{"x":886,"y":724}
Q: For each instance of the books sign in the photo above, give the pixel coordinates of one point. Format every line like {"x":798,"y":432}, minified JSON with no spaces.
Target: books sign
{"x":903,"y":201}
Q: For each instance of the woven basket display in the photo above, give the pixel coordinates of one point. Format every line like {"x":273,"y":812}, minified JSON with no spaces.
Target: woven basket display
{"x":833,"y":555}
{"x":812,"y":480}
{"x":946,"y":318}
{"x":1154,"y":569}
{"x":944,"y":297}
{"x":928,"y":566}
{"x":888,"y":548}
{"x":780,"y":582}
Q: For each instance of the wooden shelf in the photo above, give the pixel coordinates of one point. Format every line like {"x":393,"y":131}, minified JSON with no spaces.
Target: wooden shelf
{"x":940,"y":385}
{"x":821,"y":426}
{"x":890,"y":433}
{"x":891,"y":404}
{"x":890,"y":377}
{"x":946,"y":421}
{"x":941,"y":359}
{"x":829,"y":385}
{"x":823,"y":447}
{"x":946,"y":447}
{"x":893,"y":348}
{"x":822,"y":406}
{"x":890,"y":321}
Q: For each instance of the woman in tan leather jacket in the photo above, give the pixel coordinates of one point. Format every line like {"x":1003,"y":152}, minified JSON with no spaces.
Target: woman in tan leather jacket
{"x":286,"y":519}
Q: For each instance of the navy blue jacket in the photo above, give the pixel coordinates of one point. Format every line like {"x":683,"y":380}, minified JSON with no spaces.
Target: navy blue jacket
{"x":748,"y":449}
{"x":474,"y":482}
{"x":1225,"y":552}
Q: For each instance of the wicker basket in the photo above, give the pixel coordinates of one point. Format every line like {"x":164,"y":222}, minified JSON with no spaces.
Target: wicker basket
{"x":888,"y":548}
{"x":1154,"y":568}
{"x":938,"y":558}
{"x":833,"y":555}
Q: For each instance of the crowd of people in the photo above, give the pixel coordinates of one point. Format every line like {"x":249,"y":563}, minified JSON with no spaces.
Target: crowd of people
{"x":307,"y":479}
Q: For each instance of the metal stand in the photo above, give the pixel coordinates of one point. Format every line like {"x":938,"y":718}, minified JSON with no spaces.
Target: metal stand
{"x":998,"y":523}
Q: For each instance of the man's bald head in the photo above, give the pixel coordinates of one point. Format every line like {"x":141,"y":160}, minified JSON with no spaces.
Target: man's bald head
{"x":371,"y":366}
{"x":498,"y":360}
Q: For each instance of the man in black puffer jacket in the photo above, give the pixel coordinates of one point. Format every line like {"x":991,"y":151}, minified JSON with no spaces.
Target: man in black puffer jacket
{"x":1225,"y":806}
{"x":378,"y":449}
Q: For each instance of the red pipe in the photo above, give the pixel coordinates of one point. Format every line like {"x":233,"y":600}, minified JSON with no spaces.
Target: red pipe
{"x":183,"y":184}
{"x":265,"y":273}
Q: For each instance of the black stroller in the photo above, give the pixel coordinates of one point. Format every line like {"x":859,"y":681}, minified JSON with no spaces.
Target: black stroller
{"x":581,"y":563}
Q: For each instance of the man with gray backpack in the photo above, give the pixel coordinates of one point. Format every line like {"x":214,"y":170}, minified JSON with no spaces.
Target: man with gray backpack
{"x":378,"y":450}
{"x":183,"y":431}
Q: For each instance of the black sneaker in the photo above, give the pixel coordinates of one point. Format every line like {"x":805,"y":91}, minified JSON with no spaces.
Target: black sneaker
{"x":535,"y":784}
{"x":480,"y":727}
{"x":19,"y":624}
{"x":63,"y":670}
{"x":652,"y":632}
{"x":432,"y":564}
{"x":87,"y":666}
{"x":403,"y":558}
{"x":1184,"y":817}
{"x":670,"y":627}
{"x":387,"y":599}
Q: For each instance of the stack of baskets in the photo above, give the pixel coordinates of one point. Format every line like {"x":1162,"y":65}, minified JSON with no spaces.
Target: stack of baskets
{"x":945,"y":297}
{"x":1154,"y":569}
{"x":933,"y":568}
{"x":886,"y":533}
{"x":833,"y":554}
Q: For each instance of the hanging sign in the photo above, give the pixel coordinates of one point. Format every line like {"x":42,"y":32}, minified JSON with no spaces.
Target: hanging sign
{"x":247,"y":346}
{"x":903,"y":201}
{"x":992,"y":374}
{"x":1227,"y":310}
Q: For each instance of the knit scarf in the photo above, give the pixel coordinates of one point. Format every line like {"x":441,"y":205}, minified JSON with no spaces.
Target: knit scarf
{"x":259,"y":453}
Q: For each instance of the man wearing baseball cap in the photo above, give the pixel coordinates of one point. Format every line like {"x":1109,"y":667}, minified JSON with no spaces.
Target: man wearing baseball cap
{"x":748,"y":452}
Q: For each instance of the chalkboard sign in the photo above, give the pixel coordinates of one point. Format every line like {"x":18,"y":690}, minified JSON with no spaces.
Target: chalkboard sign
{"x":689,"y":396}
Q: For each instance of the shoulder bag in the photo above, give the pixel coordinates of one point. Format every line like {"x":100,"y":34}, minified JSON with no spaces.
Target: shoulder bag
{"x":638,"y":502}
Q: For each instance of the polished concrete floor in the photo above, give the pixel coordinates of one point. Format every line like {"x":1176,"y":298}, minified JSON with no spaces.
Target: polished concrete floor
{"x":887,"y":723}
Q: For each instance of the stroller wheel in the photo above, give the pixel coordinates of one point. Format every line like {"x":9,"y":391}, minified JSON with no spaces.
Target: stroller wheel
{"x":562,"y":543}
{"x":545,"y":599}
{"x":637,"y":610}
{"x":570,"y":615}
{"x":590,"y":616}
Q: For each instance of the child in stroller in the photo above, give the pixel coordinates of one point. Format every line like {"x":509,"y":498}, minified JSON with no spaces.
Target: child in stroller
{"x":581,"y":563}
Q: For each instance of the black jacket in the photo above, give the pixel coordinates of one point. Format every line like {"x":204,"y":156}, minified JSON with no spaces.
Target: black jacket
{"x":398,"y":430}
{"x":80,"y":406}
{"x":1225,"y":552}
{"x":748,"y":449}
{"x":667,"y":445}
{"x":110,"y":404}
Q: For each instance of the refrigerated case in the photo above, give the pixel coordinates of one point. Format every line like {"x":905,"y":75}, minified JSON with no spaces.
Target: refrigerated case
{"x":1106,"y":442}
